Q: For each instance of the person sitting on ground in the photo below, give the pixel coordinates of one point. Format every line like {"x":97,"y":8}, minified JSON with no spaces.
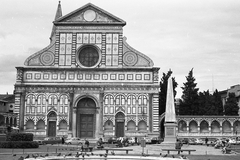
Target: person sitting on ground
{"x":86,"y":142}
{"x":227,"y":147}
{"x":218,"y":144}
{"x":178,"y":145}
{"x":120,"y":142}
{"x":100,"y":143}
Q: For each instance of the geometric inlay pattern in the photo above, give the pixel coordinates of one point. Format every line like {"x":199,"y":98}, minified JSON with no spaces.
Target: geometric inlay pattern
{"x":130,"y":58}
{"x":47,"y":58}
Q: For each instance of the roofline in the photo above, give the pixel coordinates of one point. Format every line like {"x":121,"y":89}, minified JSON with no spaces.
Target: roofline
{"x":89,"y":23}
{"x":122,"y":22}
{"x":85,"y":69}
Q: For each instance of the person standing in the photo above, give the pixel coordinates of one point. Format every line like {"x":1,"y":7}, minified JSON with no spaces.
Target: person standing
{"x":63,"y":140}
{"x":178,"y":145}
{"x":206,"y":141}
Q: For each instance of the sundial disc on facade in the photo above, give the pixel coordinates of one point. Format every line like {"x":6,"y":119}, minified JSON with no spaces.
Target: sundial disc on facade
{"x":89,"y":15}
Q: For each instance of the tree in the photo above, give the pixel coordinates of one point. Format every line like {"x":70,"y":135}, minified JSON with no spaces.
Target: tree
{"x":231,"y":106}
{"x":189,"y":102}
{"x":210,"y":104}
{"x":205,"y":103}
{"x":217,"y":103}
{"x":163,"y":91}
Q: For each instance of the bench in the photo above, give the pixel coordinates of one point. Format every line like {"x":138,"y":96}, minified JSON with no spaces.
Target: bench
{"x":117,"y":149}
{"x":179,"y":150}
{"x":228,"y":150}
{"x":87,"y":149}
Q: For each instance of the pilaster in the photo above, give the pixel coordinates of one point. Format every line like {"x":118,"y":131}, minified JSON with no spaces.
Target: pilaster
{"x":74,"y":129}
{"x":70,"y":130}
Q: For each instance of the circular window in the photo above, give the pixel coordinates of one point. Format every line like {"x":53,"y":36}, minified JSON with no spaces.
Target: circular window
{"x":88,"y":56}
{"x":89,"y":15}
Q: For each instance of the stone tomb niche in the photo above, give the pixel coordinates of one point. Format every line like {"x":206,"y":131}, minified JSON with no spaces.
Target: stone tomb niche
{"x":193,"y":127}
{"x":215,"y":127}
{"x":226,"y":127}
{"x":86,"y":118}
{"x":236,"y":127}
{"x":204,"y":128}
{"x":52,"y":124}
{"x":182,"y":126}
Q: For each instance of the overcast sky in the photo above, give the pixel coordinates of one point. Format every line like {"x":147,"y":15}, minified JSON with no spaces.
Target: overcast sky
{"x":176,"y":34}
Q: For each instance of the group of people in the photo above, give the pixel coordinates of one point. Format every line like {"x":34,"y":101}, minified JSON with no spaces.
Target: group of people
{"x":224,"y":144}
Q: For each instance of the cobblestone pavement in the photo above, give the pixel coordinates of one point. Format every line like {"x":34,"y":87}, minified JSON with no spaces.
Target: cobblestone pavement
{"x":153,"y":150}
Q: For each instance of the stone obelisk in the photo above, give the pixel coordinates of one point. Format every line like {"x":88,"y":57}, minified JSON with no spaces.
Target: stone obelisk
{"x":170,"y":123}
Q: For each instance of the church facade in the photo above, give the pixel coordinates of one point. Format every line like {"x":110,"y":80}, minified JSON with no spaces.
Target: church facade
{"x":88,"y":82}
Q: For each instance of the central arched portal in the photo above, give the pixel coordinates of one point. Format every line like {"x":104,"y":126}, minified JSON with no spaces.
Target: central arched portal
{"x":86,"y":118}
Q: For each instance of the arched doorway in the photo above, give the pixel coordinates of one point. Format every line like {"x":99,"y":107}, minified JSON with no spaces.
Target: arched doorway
{"x":120,"y":119}
{"x":86,"y":115}
{"x":52,"y":120}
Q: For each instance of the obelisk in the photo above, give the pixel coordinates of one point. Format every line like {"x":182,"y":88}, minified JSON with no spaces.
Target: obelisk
{"x":170,"y":123}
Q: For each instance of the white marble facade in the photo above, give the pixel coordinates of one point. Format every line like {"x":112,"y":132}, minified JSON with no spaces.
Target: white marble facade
{"x":88,"y":82}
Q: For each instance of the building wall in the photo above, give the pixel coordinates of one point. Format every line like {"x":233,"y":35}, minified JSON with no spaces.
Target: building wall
{"x":233,"y":89}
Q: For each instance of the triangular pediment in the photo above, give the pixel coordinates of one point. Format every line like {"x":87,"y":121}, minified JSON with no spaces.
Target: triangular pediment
{"x":90,"y":14}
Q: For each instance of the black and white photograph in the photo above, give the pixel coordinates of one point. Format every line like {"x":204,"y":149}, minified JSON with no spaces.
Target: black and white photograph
{"x":119,"y":79}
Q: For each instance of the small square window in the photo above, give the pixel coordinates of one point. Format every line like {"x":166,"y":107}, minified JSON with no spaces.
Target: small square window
{"x":121,"y":77}
{"x":45,"y":76}
{"x":113,"y":77}
{"x":130,"y":77}
{"x":96,"y":76}
{"x":88,"y":76}
{"x":146,"y":76}
{"x":29,"y":75}
{"x":62,"y":76}
{"x":54,"y":76}
{"x":104,"y":76}
{"x":71,"y":76}
{"x":138,"y":77}
{"x":80,"y":76}
{"x":37,"y":76}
